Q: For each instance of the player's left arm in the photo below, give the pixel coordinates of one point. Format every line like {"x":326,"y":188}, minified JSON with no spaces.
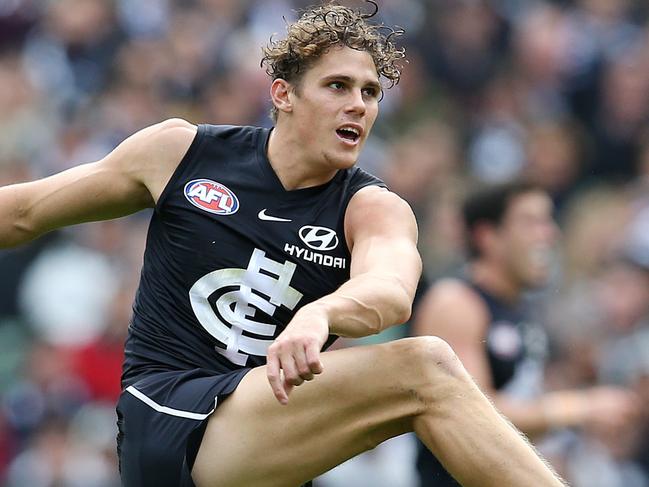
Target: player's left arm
{"x":381,"y":232}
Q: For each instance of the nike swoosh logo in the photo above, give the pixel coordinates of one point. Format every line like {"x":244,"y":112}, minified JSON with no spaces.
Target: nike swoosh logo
{"x":263,"y":216}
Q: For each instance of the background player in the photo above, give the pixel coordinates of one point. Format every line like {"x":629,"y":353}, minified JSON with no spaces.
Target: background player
{"x":510,"y":236}
{"x":187,"y":350}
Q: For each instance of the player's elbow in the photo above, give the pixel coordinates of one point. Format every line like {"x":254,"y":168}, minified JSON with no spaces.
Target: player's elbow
{"x":16,"y":226}
{"x":16,"y":233}
{"x":400,"y":302}
{"x":403,"y":309}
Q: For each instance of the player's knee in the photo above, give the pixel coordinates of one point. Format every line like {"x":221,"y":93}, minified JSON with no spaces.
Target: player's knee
{"x":434,"y":370}
{"x":435,"y":356}
{"x":426,"y":355}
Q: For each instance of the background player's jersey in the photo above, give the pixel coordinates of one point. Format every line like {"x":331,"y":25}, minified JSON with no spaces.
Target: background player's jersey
{"x":231,"y":256}
{"x":517,"y":347}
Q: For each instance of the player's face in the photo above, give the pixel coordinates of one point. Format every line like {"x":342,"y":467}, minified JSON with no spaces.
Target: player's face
{"x":335,"y":106}
{"x":527,"y":235}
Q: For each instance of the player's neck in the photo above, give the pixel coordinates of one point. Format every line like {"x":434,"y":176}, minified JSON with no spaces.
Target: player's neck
{"x":496,"y":281}
{"x":292,"y":163}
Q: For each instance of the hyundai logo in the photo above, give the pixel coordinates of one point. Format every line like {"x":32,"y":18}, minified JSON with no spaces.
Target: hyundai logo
{"x":319,"y":238}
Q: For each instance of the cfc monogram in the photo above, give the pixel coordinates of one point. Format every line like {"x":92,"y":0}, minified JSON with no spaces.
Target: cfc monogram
{"x":237,"y":304}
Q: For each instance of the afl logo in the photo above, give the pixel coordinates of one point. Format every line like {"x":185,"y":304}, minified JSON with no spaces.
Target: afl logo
{"x":211,"y":196}
{"x":319,"y":238}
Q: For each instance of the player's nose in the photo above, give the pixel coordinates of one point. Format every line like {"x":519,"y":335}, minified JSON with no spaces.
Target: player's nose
{"x":356,"y":103}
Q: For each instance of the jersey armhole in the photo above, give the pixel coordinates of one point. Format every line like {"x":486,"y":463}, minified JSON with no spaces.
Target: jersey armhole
{"x":193,"y":149}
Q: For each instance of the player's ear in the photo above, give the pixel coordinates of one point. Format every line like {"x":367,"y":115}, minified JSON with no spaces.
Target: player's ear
{"x":484,"y":236}
{"x":280,"y":91}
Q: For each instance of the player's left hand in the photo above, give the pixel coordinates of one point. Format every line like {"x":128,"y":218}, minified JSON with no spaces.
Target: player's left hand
{"x":294,"y":356}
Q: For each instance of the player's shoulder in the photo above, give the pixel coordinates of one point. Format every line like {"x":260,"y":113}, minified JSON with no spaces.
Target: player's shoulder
{"x":375,"y":207}
{"x":376,"y":198}
{"x":170,"y":132}
{"x":175,"y":123}
{"x":150,"y":155}
{"x":451,"y":305}
{"x":178,"y":130}
{"x":231,"y":131}
{"x":239,"y":136}
{"x":158,"y":142}
{"x":375,"y":211}
{"x":162,"y":140}
{"x":456,"y":294}
{"x":166,"y":142}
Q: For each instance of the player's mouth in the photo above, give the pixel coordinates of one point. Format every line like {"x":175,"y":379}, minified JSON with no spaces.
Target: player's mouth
{"x":350,"y":134}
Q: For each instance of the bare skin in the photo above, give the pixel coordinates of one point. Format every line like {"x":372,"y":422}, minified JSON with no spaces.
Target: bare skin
{"x":364,"y":396}
{"x":127,"y":180}
{"x":307,"y":411}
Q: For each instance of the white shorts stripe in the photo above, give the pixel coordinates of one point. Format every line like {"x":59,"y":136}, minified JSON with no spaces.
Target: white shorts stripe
{"x":167,"y":410}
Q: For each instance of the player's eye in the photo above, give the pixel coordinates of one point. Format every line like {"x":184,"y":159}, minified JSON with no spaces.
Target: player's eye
{"x":336,"y":85}
{"x":371,"y":92}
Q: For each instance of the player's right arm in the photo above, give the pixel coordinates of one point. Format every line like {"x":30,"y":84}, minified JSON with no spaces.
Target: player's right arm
{"x":127,"y":180}
{"x":455,"y":313}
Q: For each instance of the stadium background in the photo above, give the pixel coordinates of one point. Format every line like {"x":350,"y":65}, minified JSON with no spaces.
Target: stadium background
{"x":552,"y":91}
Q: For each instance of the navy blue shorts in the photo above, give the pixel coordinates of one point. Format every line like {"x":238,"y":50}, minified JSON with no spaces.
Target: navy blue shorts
{"x":161,"y":420}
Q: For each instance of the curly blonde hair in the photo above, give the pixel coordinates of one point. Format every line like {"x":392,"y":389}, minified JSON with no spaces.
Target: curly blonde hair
{"x":321,"y":27}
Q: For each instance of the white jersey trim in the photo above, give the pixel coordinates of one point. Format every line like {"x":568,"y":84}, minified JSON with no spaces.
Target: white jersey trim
{"x":167,"y":410}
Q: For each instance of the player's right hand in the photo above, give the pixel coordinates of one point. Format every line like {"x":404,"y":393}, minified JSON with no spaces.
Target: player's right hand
{"x":294,"y":356}
{"x":610,"y":407}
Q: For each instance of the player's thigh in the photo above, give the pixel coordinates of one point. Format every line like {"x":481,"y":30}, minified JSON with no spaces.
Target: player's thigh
{"x":363,"y":397}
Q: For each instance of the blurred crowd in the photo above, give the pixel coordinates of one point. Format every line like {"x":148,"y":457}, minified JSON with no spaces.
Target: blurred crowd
{"x":556,"y":92}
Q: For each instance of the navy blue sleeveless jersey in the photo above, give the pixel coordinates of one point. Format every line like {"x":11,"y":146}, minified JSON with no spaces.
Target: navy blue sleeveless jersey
{"x":231,"y":256}
{"x":516,"y":348}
